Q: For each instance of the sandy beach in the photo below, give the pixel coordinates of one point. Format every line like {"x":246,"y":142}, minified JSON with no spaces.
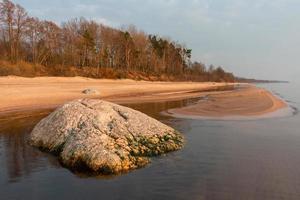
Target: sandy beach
{"x":18,"y":93}
{"x":22,"y":94}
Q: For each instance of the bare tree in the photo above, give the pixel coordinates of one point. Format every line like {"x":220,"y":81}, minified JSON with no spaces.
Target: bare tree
{"x":90,"y":47}
{"x":7,"y":11}
{"x":20,"y":22}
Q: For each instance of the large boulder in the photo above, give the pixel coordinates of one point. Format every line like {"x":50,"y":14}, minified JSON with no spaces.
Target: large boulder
{"x":103,"y":137}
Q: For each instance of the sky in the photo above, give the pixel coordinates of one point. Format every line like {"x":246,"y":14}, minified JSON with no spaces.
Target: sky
{"x":251,"y":38}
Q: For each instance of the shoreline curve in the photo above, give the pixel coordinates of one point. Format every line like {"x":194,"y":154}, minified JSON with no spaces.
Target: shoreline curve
{"x":219,"y":100}
{"x":19,"y":94}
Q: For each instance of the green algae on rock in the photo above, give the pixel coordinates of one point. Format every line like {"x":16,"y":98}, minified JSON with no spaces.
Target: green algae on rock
{"x":103,"y":137}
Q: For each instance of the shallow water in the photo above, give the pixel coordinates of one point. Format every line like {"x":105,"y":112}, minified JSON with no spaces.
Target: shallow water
{"x":257,"y":159}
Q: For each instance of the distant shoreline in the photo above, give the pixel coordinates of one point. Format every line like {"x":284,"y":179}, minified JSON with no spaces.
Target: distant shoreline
{"x":29,"y":94}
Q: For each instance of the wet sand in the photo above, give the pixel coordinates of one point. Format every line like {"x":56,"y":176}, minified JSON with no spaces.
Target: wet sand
{"x":247,"y":101}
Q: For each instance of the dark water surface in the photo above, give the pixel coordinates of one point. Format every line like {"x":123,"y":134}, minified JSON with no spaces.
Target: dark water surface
{"x":257,"y":159}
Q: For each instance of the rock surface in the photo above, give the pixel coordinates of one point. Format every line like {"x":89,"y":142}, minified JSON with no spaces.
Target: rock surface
{"x":90,"y":91}
{"x":103,"y":137}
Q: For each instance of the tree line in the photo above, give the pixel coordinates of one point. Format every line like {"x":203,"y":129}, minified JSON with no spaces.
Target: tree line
{"x":87,"y":48}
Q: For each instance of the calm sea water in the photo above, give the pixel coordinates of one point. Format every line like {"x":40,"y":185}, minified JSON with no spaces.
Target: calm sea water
{"x":257,"y":159}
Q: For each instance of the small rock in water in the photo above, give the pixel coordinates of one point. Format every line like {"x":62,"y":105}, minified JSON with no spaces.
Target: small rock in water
{"x":103,"y":137}
{"x":90,"y":91}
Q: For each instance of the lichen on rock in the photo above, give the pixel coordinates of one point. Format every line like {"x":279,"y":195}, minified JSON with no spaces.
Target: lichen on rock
{"x":103,"y":137}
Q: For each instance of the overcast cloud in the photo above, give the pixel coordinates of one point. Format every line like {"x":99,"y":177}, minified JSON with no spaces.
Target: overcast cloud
{"x":252,"y":38}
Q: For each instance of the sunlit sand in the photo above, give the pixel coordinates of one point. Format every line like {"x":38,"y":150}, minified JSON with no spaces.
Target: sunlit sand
{"x":248,"y":102}
{"x":49,"y":92}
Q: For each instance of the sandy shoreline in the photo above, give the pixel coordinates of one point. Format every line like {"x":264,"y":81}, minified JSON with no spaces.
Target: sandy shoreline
{"x":19,"y":94}
{"x":27,"y":94}
{"x":246,"y":102}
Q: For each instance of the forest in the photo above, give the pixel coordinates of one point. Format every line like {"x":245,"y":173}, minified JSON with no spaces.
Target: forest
{"x":80,"y":47}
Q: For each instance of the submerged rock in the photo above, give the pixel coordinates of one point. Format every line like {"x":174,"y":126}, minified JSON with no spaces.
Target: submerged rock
{"x":103,"y":137}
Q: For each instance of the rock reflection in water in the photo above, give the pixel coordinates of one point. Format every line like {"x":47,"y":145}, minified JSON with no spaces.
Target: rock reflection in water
{"x":21,"y":160}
